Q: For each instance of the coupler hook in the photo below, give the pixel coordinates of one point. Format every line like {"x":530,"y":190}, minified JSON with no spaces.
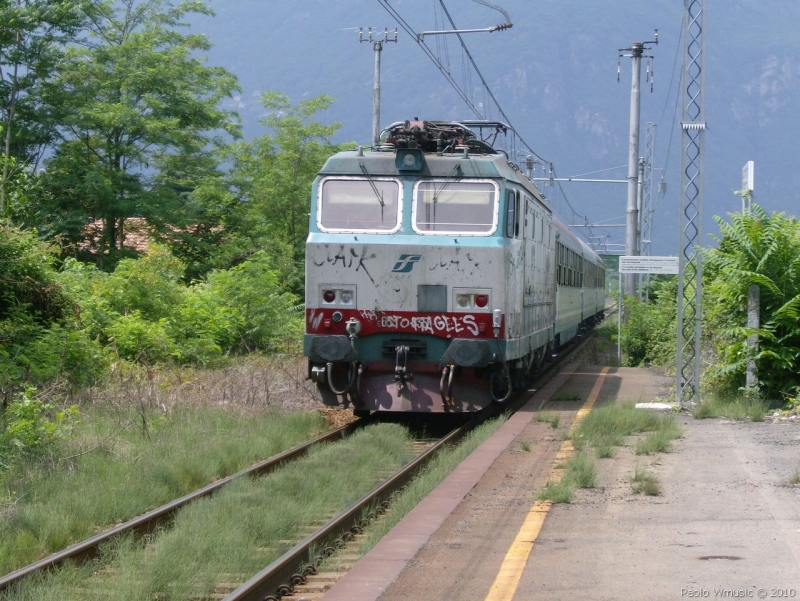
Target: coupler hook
{"x":446,"y":384}
{"x":401,"y":373}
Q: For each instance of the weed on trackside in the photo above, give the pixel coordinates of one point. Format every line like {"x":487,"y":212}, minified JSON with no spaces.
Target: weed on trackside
{"x":608,"y":425}
{"x":735,"y":408}
{"x":645,"y":483}
{"x":602,"y":430}
{"x":117,"y":466}
{"x":794,"y":479}
{"x":242,"y":528}
{"x":549,"y":418}
{"x":579,"y":472}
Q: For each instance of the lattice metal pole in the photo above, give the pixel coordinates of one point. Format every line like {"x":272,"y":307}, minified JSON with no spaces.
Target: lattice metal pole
{"x":691,"y":215}
{"x":647,"y":200}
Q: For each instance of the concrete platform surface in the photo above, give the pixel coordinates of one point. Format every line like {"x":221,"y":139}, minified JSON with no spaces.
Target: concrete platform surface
{"x":726,"y":525}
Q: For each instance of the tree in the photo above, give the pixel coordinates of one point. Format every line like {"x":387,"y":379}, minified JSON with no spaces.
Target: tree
{"x":272,"y":176}
{"x":763,"y":249}
{"x":132,"y":102}
{"x":31,"y":39}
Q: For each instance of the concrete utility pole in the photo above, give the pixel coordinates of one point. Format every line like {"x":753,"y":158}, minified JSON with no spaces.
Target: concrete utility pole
{"x":639,"y":213}
{"x":646,"y":217}
{"x":377,"y":46}
{"x":754,"y":292}
{"x":631,"y":239}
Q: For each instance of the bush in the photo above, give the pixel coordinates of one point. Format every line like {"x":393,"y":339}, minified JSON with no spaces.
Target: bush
{"x":762,"y":249}
{"x":252,"y":291}
{"x":146,"y":313}
{"x":648,"y":335}
{"x":31,"y":427}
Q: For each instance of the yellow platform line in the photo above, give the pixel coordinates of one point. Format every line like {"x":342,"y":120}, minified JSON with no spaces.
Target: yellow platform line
{"x":507,"y":580}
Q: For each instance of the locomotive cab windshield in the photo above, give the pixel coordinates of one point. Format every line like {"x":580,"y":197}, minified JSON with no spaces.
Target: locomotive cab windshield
{"x":460,"y":207}
{"x":357,"y":204}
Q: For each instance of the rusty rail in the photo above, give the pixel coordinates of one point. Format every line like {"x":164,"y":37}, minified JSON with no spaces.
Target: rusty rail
{"x":278,"y":578}
{"x":148,"y":522}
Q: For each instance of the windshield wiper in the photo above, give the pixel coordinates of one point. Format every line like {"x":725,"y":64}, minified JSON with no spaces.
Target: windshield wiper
{"x":447,"y":181}
{"x":378,"y":193}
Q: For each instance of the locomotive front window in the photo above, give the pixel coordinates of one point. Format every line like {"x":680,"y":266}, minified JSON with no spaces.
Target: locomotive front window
{"x":455,"y":207}
{"x":361,"y":205}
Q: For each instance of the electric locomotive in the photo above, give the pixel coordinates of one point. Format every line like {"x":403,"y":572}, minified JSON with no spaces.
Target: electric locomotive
{"x":437,"y":278}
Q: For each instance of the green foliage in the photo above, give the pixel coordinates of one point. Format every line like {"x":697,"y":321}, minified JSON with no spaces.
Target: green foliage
{"x":149,"y":285}
{"x":792,"y":401}
{"x":31,"y":44}
{"x":40,"y":338}
{"x":645,"y":483}
{"x":648,"y":335}
{"x":27,"y":278}
{"x":31,"y":427}
{"x":735,"y":407}
{"x":272,"y":176}
{"x":252,"y":292}
{"x":147,"y":314}
{"x":761,"y":249}
{"x":133,"y":104}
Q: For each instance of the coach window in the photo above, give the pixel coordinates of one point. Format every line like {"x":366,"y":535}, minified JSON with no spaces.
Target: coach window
{"x":359,"y":205}
{"x":466,"y":207}
{"x":512,"y":214}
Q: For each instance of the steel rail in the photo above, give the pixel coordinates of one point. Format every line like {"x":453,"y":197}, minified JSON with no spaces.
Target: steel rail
{"x":148,"y":522}
{"x":278,"y":578}
{"x":283,"y":571}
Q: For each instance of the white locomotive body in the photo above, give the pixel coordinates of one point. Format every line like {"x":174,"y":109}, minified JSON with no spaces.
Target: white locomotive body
{"x":437,"y":280}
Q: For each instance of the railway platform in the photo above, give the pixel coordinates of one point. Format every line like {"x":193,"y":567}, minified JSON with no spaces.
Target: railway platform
{"x":727,"y":524}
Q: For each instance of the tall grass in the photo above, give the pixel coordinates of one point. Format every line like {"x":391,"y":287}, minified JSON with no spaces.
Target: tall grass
{"x":120,"y":469}
{"x":249,"y":524}
{"x":579,"y":472}
{"x":607,"y":426}
{"x":645,"y":483}
{"x":732,"y":407}
{"x":436,"y":471}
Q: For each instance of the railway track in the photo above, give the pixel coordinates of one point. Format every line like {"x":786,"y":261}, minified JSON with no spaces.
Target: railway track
{"x":148,"y":522}
{"x":296,"y":568}
{"x":298,"y":565}
{"x":292,"y":569}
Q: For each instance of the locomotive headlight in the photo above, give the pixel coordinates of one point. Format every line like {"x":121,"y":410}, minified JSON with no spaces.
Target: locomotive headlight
{"x":472,"y":300}
{"x":333,"y":295}
{"x":408,"y":159}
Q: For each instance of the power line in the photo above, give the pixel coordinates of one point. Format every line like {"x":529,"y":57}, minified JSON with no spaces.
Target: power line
{"x":467,"y":57}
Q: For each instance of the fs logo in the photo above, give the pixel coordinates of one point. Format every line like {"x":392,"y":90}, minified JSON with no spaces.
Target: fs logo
{"x":406,"y":263}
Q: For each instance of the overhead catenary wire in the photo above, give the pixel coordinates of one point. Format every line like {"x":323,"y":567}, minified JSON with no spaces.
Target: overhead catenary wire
{"x":467,"y":94}
{"x":675,"y":111}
